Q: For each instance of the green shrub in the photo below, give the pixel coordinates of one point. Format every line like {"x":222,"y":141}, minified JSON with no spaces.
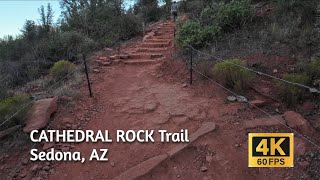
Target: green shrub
{"x":226,"y":15}
{"x":313,"y":69}
{"x":194,"y":34}
{"x":232,"y":76}
{"x":292,"y":94}
{"x":62,"y":68}
{"x":214,"y":19}
{"x":11,"y":105}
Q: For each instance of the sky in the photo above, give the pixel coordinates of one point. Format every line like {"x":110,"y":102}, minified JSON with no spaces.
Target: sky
{"x":14,"y":13}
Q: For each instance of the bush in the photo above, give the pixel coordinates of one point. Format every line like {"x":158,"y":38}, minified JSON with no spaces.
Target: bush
{"x":226,"y":15}
{"x":313,"y":69}
{"x":62,"y":68}
{"x":194,"y":34}
{"x":11,"y":105}
{"x":214,"y":19}
{"x":232,"y":76}
{"x":66,"y":45}
{"x":292,"y":94}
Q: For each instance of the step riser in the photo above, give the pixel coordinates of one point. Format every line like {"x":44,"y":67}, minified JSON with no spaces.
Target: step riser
{"x":152,"y":50}
{"x":145,"y":56}
{"x":155,"y":45}
{"x":157,"y":41}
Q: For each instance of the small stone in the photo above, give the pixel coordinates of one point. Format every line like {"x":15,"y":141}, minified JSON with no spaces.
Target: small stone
{"x":68,"y":120}
{"x":184,"y":85}
{"x":112,"y":163}
{"x":25,"y":161}
{"x":65,"y":149}
{"x":209,"y":159}
{"x":48,"y":146}
{"x":237,"y":145}
{"x":257,"y":103}
{"x":43,"y":174}
{"x":275,"y":71}
{"x":96,"y":71}
{"x":231,"y":98}
{"x":178,"y":176}
{"x":46,"y":168}
{"x":34,"y":167}
{"x":203,"y":169}
{"x":74,"y":126}
{"x":106,"y":63}
{"x":304,"y":163}
{"x":23,"y":174}
{"x":52,"y":171}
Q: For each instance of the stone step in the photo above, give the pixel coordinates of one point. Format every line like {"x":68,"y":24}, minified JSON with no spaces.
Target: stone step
{"x":121,"y":56}
{"x":157,"y":40}
{"x":151,"y":50}
{"x":140,"y":61}
{"x":155,"y":45}
{"x":144,"y":56}
{"x":163,"y":37}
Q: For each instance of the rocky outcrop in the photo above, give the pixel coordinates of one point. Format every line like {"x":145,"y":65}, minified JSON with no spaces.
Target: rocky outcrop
{"x":40,"y":113}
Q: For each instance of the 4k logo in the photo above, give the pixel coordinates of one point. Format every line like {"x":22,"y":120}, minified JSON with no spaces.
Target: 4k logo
{"x":270,"y":150}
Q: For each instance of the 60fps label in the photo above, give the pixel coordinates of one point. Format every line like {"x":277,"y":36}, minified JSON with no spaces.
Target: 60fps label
{"x":270,"y":149}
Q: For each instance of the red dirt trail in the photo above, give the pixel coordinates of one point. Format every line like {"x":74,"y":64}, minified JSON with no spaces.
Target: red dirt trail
{"x":134,"y":93}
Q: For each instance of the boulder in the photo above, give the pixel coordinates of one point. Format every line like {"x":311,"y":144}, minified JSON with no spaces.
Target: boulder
{"x":40,"y":113}
{"x":297,"y":122}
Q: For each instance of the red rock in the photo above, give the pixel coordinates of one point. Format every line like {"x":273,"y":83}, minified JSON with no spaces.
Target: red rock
{"x":276,"y":120}
{"x":108,"y":50}
{"x":308,"y":106}
{"x":299,"y":147}
{"x":304,"y":163}
{"x":47,"y":146}
{"x":40,"y":113}
{"x":96,"y":71}
{"x":106,"y":63}
{"x":113,"y":57}
{"x":103,"y":58}
{"x":68,"y":120}
{"x":257,"y":103}
{"x":297,"y":122}
{"x":34,"y":167}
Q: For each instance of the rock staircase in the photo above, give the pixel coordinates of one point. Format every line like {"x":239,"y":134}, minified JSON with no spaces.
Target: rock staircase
{"x":154,"y":45}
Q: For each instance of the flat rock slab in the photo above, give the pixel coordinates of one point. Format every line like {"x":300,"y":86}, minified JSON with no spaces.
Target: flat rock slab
{"x":142,"y":168}
{"x":204,"y":129}
{"x":276,"y":120}
{"x":146,"y":166}
{"x":40,"y":113}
